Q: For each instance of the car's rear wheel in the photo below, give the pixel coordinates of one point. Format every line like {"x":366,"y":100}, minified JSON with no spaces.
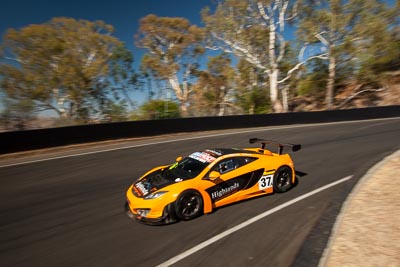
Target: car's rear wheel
{"x":283,"y":179}
{"x":189,"y":205}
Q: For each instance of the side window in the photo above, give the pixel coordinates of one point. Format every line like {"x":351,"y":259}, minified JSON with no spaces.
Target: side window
{"x":244,"y":160}
{"x":225,"y":165}
{"x":230,"y":164}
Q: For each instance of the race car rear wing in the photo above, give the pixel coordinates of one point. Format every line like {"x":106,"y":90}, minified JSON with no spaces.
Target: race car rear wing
{"x":281,"y":146}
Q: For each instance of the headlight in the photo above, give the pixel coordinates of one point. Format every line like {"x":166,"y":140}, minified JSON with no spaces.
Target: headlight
{"x":155,"y":195}
{"x":143,"y":212}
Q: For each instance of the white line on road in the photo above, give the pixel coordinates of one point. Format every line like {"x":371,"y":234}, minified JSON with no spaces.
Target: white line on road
{"x":246,"y":223}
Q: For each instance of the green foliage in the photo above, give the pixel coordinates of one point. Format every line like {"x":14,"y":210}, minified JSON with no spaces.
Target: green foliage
{"x":122,"y":76}
{"x":214,"y":86}
{"x":115,"y":112}
{"x":359,"y":38}
{"x":60,"y":65}
{"x":315,"y":80}
{"x":159,"y":109}
{"x":251,"y":96}
{"x":380,"y":50}
{"x":17,"y":114}
{"x":254,"y":101}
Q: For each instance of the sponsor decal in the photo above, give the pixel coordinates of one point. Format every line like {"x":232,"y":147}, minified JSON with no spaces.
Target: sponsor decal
{"x":214,"y":152}
{"x":224,"y":191}
{"x":136,"y":191}
{"x":141,"y":187}
{"x":202,"y":157}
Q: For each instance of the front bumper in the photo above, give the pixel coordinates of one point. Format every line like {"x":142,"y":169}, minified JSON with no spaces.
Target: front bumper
{"x":167,"y":217}
{"x":153,"y":211}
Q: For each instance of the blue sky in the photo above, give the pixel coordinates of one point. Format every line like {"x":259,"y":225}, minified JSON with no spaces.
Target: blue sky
{"x":123,"y":15}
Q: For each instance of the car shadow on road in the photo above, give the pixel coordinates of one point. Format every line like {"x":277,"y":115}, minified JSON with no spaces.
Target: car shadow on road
{"x":300,"y":173}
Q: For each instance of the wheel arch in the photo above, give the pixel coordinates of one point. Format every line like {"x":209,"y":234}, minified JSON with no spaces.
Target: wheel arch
{"x":207,"y":203}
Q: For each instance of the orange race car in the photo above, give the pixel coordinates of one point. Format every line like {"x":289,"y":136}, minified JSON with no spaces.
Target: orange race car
{"x":209,"y":179}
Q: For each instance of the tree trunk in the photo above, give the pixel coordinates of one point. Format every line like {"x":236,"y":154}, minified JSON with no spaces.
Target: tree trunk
{"x":179,"y":94}
{"x":285,"y":99}
{"x":274,"y":74}
{"x":221,"y":110}
{"x":331,"y":83}
{"x":273,"y":87}
{"x":184,"y":110}
{"x":61,"y":108}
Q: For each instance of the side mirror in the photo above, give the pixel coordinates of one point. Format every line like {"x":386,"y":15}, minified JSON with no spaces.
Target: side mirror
{"x":214,"y":175}
{"x":178,"y":158}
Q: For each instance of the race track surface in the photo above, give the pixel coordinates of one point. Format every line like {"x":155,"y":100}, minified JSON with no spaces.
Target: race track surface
{"x":68,"y":211}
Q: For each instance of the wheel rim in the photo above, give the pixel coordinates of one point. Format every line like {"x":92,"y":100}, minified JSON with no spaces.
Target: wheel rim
{"x":190,"y":205}
{"x":283,"y":179}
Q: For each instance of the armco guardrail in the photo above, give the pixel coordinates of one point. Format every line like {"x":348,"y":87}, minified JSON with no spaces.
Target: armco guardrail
{"x":44,"y":138}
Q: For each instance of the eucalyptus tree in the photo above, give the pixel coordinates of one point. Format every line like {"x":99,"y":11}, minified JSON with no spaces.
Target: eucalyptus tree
{"x":377,"y":29}
{"x":174,"y":46}
{"x":60,"y":65}
{"x":256,"y":30}
{"x":250,"y":93}
{"x":215,"y":86}
{"x":353,"y":32}
{"x":123,"y":77}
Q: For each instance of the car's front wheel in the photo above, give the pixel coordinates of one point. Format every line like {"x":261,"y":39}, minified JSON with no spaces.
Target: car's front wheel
{"x":189,"y":205}
{"x":283,"y":179}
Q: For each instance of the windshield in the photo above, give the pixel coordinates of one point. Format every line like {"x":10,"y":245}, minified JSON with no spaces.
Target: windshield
{"x":190,"y":166}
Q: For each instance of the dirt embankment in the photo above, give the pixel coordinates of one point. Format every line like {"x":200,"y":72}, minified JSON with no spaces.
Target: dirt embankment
{"x":367,"y":232}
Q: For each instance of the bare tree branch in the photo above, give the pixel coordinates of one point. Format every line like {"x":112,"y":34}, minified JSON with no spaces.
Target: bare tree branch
{"x":282,"y":16}
{"x":321,"y":38}
{"x":298,"y":65}
{"x":282,"y":48}
{"x":262,"y":11}
{"x":13,"y":59}
{"x":295,"y":10}
{"x":348,"y":99}
{"x":251,"y":58}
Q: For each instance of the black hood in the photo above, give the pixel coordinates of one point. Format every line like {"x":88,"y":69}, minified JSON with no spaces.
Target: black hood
{"x":152,"y":182}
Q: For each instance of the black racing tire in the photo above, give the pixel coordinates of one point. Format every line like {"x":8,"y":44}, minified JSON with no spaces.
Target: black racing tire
{"x":189,"y":205}
{"x":283,"y":179}
{"x":169,"y":213}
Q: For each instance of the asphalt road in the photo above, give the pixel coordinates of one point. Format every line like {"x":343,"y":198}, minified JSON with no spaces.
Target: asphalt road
{"x":69,"y":211}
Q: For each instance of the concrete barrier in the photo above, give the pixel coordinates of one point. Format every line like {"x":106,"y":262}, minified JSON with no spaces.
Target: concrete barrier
{"x":17,"y":141}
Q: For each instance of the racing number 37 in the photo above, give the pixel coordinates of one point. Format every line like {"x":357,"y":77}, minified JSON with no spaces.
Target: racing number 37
{"x":266,"y":181}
